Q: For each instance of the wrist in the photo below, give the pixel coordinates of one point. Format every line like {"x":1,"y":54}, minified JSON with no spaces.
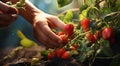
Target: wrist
{"x":29,"y":12}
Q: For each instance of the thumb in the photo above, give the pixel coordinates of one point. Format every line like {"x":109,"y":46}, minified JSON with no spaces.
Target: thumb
{"x":7,"y":9}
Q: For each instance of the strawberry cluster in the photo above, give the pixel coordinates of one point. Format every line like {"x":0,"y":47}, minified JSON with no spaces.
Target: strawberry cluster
{"x":67,"y":34}
{"x":106,"y":33}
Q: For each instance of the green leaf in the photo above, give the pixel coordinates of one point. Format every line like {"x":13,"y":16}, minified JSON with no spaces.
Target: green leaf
{"x":89,"y":2}
{"x":82,"y":57}
{"x":62,"y":3}
{"x":118,"y":5}
{"x":116,"y":61}
{"x":84,"y":13}
{"x":104,"y":11}
{"x":62,"y":17}
{"x":44,"y":53}
{"x":111,"y":17}
{"x":90,"y":53}
{"x":20,"y":4}
{"x":83,"y":7}
{"x":68,"y":16}
{"x":107,"y":51}
{"x":106,"y":48}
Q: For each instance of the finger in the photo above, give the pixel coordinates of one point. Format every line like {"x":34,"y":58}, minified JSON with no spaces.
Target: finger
{"x":51,"y":25}
{"x":43,"y":38}
{"x":8,"y":18}
{"x":3,"y":24}
{"x":60,"y":24}
{"x":1,"y":12}
{"x":45,"y":42}
{"x":8,"y":9}
{"x":46,"y":30}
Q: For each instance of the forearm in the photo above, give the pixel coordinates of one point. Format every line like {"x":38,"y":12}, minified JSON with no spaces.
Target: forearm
{"x":29,"y":12}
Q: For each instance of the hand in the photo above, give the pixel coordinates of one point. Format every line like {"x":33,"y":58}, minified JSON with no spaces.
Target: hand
{"x":42,"y":31}
{"x":7,"y":14}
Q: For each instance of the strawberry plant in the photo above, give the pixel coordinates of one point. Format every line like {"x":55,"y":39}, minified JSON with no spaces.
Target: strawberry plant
{"x":90,"y":33}
{"x":95,"y":25}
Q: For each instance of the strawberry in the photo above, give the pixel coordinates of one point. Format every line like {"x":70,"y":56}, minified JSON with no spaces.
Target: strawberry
{"x":97,"y":35}
{"x":66,"y":55}
{"x":64,"y":39}
{"x":107,"y":33}
{"x":60,"y":51}
{"x":85,"y":24}
{"x":69,"y":29}
{"x":75,"y":46}
{"x":60,"y":33}
{"x":51,"y":55}
{"x":91,"y":37}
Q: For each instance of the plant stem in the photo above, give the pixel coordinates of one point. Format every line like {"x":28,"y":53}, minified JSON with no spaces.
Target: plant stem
{"x":80,"y":34}
{"x":94,"y":56}
{"x":104,"y":57}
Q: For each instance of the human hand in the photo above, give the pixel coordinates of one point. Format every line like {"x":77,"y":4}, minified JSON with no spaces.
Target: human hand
{"x":42,"y":29}
{"x":8,"y":14}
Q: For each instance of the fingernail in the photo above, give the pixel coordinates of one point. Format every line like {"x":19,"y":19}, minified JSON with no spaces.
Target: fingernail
{"x":13,"y":15}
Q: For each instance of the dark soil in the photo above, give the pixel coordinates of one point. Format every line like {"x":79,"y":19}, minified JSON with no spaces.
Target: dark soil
{"x":20,"y":56}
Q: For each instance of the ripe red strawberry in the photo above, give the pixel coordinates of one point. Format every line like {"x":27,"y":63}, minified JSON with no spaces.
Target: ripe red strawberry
{"x":60,"y":51}
{"x":85,"y":24}
{"x":75,"y":46}
{"x":66,"y":55}
{"x":90,"y":37}
{"x":107,"y":33}
{"x":64,"y":39}
{"x":72,"y":48}
{"x":51,"y":55}
{"x":60,"y":33}
{"x":69,"y":29}
{"x":97,"y":35}
{"x":71,"y":36}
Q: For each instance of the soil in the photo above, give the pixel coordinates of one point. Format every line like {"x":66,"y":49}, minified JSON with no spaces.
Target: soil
{"x":20,"y":56}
